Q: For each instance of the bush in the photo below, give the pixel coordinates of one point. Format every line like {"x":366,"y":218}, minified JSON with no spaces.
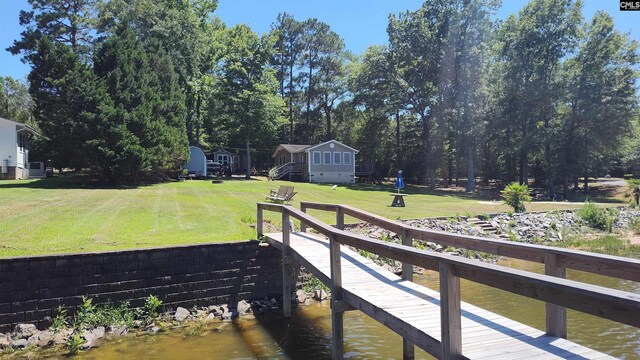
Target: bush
{"x":598,"y":218}
{"x":634,"y":225}
{"x":634,"y":190}
{"x":515,"y":195}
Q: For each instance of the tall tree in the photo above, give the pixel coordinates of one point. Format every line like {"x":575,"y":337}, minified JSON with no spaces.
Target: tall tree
{"x":61,"y":21}
{"x":189,"y":34}
{"x":417,"y":42}
{"x":529,"y":57}
{"x":287,"y":54}
{"x":15,"y":101}
{"x":246,"y":98}
{"x":601,"y":100}
{"x":322,"y":60}
{"x":57,"y":42}
{"x":140,"y":133}
{"x":66,"y":99}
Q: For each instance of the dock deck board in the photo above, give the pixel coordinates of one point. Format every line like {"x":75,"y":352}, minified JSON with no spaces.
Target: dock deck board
{"x":413,"y":311}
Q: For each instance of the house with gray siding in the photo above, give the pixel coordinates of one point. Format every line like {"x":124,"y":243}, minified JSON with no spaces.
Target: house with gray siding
{"x":327,"y":162}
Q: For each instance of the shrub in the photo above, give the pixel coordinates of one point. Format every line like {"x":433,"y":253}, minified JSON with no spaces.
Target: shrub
{"x":515,"y":195}
{"x":634,"y":190}
{"x":598,"y":218}
{"x":634,"y":225}
{"x":151,"y":306}
{"x":272,"y":173}
{"x":74,"y":342}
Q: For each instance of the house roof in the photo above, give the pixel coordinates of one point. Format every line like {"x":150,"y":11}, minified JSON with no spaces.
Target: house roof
{"x":22,"y":127}
{"x":331,"y":141}
{"x":290,"y":148}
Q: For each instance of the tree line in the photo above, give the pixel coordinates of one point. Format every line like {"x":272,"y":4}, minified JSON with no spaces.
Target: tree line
{"x":122,"y":87}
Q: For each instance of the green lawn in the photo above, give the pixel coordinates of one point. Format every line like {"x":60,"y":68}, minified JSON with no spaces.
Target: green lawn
{"x":64,"y":214}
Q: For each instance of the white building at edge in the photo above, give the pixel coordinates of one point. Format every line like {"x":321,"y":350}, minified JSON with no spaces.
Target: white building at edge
{"x":15,"y":141}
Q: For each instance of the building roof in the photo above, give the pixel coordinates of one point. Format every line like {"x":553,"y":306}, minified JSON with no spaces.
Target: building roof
{"x":22,"y":127}
{"x":290,"y":148}
{"x":331,"y":141}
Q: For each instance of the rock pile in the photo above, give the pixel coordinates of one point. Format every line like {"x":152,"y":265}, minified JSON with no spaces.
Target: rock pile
{"x":535,"y":227}
{"x":626,"y":216}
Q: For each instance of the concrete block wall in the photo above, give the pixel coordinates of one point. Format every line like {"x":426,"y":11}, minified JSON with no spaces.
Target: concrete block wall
{"x":32,"y":288}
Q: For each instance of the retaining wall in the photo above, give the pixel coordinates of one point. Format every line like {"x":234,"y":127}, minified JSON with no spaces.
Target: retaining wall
{"x":32,"y":288}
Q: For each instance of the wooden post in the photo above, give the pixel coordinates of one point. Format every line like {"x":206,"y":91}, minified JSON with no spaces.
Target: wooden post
{"x":303,"y":226}
{"x":339,"y":218}
{"x":259,"y":220}
{"x":450,"y":322}
{"x":408,"y":350}
{"x":337,"y":316}
{"x":556,"y":315}
{"x":286,"y":273}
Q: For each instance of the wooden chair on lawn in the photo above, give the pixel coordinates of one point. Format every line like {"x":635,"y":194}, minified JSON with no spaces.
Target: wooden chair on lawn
{"x":281,"y":195}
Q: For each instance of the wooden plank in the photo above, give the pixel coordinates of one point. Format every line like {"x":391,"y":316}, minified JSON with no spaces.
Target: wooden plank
{"x":337,"y":316}
{"x":259,"y":221}
{"x":450,"y":322}
{"x":286,"y":273}
{"x":340,"y":218}
{"x":556,"y":315}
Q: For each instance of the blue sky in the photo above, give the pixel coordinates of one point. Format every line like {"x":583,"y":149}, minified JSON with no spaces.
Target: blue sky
{"x":359,"y":22}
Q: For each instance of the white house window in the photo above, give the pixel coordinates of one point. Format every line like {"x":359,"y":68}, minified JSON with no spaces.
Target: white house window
{"x":316,"y":158}
{"x":346,"y":158}
{"x":337,"y":158}
{"x":326,"y":158}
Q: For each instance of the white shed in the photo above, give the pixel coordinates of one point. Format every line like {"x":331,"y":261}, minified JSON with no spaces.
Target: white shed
{"x":197,"y":164}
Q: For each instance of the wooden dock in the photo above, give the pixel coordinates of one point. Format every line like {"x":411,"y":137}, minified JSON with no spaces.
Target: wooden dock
{"x":414,"y":311}
{"x":438,"y":322}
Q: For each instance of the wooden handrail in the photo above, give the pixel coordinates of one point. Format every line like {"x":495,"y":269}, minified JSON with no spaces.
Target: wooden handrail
{"x":611,"y":304}
{"x":608,"y":265}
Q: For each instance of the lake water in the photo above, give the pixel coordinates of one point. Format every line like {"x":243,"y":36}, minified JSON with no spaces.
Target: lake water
{"x":307,"y":334}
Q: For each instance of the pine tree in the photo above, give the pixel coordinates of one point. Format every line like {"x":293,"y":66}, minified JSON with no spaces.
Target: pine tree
{"x":140,"y":134}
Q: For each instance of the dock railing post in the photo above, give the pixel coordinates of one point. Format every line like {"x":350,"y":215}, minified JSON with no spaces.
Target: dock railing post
{"x":337,"y":314}
{"x":259,"y":220}
{"x":303,"y":226}
{"x":286,"y":263}
{"x":339,"y":218}
{"x":556,"y":316}
{"x":450,"y":321}
{"x":408,"y":350}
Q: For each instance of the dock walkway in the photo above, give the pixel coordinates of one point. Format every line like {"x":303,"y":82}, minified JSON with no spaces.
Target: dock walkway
{"x":413,"y":311}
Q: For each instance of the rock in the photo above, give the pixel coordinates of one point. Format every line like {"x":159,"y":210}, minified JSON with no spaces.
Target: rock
{"x":118,"y":330}
{"x":5,"y":341}
{"x":216,"y":310}
{"x":230,"y":315}
{"x":60,"y":337}
{"x":181,"y":314}
{"x":210,"y":317}
{"x":154,"y":329}
{"x":320,"y":295}
{"x":201,"y":313}
{"x":19,"y":343}
{"x":92,"y":337}
{"x":243,"y":307}
{"x":301,"y":296}
{"x":24,"y":331}
{"x":41,"y":339}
